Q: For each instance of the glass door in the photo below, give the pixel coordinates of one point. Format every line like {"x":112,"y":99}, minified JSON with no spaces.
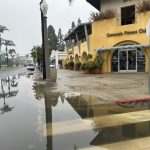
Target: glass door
{"x":122,"y":61}
{"x":132,"y":61}
{"x":127,"y":61}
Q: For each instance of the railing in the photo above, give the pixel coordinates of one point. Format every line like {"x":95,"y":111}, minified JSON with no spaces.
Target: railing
{"x":126,"y":21}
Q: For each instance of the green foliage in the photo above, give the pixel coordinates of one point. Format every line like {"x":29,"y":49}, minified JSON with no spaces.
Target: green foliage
{"x":2,"y":29}
{"x":78,"y":22}
{"x":90,"y":65}
{"x":73,"y":25}
{"x":78,"y":64}
{"x":61,"y":44}
{"x":52,"y":39}
{"x":143,"y":6}
{"x":36,"y":51}
{"x":66,"y":65}
{"x":98,"y":61}
{"x":83,"y":66}
{"x":107,"y":14}
{"x":71,"y":64}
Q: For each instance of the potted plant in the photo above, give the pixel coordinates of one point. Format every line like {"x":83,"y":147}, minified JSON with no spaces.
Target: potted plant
{"x":98,"y":61}
{"x":77,"y":66}
{"x":71,"y":65}
{"x":88,"y":67}
{"x":66,"y":66}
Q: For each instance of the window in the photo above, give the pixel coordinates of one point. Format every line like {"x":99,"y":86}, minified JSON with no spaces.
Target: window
{"x":128,"y":15}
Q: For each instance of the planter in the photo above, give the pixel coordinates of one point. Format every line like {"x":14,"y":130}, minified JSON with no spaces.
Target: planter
{"x":70,"y":68}
{"x":97,"y":71}
{"x":76,"y":68}
{"x":53,"y":74}
{"x":86,"y":71}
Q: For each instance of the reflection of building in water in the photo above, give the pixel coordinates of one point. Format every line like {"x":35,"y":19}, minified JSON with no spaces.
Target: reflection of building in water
{"x":112,"y":121}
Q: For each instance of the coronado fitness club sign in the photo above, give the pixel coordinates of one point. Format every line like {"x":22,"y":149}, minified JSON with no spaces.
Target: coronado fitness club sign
{"x":126,"y":33}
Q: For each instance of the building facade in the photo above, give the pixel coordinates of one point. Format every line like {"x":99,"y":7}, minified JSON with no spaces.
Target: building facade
{"x":122,"y":40}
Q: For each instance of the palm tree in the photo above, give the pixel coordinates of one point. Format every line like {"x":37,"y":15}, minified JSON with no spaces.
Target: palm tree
{"x":8,"y":43}
{"x":2,"y":29}
{"x":12,"y":53}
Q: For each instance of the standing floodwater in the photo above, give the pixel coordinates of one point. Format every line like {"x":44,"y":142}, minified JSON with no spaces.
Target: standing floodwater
{"x":35,"y":116}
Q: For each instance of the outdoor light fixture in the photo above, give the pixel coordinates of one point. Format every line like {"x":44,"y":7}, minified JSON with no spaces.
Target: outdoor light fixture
{"x":148,"y":35}
{"x":44,"y":8}
{"x":45,"y":49}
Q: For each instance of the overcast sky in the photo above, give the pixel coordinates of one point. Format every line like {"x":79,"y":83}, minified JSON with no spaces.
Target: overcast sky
{"x":22,"y":18}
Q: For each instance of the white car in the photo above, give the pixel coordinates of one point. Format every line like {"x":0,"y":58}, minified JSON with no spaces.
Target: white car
{"x":30,"y":67}
{"x":52,"y":66}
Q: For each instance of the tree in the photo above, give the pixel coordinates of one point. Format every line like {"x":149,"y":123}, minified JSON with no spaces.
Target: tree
{"x":52,"y":39}
{"x":8,"y":43}
{"x":78,"y":22}
{"x":2,"y":29}
{"x":61,"y":44}
{"x":73,"y":25}
{"x":12,"y":53}
{"x":36,"y":54}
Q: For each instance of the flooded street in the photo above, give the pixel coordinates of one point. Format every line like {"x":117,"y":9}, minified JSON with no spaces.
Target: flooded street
{"x":35,"y":116}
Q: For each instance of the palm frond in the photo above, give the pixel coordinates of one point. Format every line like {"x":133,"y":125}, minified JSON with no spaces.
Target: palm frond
{"x":2,"y":29}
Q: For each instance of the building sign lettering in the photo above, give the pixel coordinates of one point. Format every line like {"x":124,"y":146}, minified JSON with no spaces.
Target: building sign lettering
{"x":140,"y":31}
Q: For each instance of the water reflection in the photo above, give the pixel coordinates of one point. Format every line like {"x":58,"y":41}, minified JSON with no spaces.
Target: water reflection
{"x":75,"y":121}
{"x":42,"y":91}
{"x":8,"y":90}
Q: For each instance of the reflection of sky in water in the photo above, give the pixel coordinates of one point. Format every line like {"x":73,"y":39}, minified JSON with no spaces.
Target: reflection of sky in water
{"x":74,"y":121}
{"x":21,"y":128}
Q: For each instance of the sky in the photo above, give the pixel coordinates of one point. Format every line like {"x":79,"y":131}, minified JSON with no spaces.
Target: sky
{"x":22,"y":18}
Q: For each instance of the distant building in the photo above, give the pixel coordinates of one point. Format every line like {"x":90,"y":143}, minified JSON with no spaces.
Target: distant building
{"x":57,"y":58}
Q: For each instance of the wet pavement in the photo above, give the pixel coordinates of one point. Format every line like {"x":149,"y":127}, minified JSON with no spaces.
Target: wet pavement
{"x":41,"y":115}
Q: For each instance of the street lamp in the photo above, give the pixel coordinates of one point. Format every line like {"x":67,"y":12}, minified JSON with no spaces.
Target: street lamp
{"x":148,"y":35}
{"x":46,"y":68}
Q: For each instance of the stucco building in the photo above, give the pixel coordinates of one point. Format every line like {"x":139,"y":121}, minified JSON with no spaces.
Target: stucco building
{"x":122,"y":40}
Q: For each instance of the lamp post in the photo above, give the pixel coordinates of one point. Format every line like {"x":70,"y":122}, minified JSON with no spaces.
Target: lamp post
{"x":0,"y":51}
{"x":148,"y":35}
{"x":46,"y":68}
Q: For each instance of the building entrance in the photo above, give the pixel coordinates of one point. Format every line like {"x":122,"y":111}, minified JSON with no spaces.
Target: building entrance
{"x":128,"y":60}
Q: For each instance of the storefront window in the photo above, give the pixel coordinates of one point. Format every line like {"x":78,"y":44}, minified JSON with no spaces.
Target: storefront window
{"x":140,"y":61}
{"x":114,"y":64}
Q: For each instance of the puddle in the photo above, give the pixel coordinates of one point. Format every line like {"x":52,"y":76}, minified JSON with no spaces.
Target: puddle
{"x":33,"y":116}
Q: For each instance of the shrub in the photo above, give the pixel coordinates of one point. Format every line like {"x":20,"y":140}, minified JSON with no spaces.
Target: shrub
{"x":90,"y":65}
{"x":83,"y":66}
{"x":66,"y":65}
{"x":78,"y":64}
{"x":143,"y":6}
{"x":98,"y":61}
{"x":71,"y":64}
{"x":107,"y":14}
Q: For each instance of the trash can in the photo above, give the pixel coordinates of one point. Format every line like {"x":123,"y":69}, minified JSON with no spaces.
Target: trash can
{"x":53,"y":74}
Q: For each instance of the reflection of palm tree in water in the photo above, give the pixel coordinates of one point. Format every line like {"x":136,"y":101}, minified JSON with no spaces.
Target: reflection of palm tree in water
{"x":4,"y":95}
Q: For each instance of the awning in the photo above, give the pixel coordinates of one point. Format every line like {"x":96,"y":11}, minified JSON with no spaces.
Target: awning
{"x":123,"y":47}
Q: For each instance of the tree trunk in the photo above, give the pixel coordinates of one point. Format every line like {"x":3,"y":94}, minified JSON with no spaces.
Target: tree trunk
{"x":7,"y":56}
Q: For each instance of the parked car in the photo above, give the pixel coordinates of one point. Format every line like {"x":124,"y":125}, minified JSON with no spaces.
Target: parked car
{"x":52,"y":66}
{"x":30,"y":67}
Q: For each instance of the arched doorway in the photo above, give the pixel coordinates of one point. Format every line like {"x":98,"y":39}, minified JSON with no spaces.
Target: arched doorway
{"x":84,"y":57}
{"x":128,"y":60}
